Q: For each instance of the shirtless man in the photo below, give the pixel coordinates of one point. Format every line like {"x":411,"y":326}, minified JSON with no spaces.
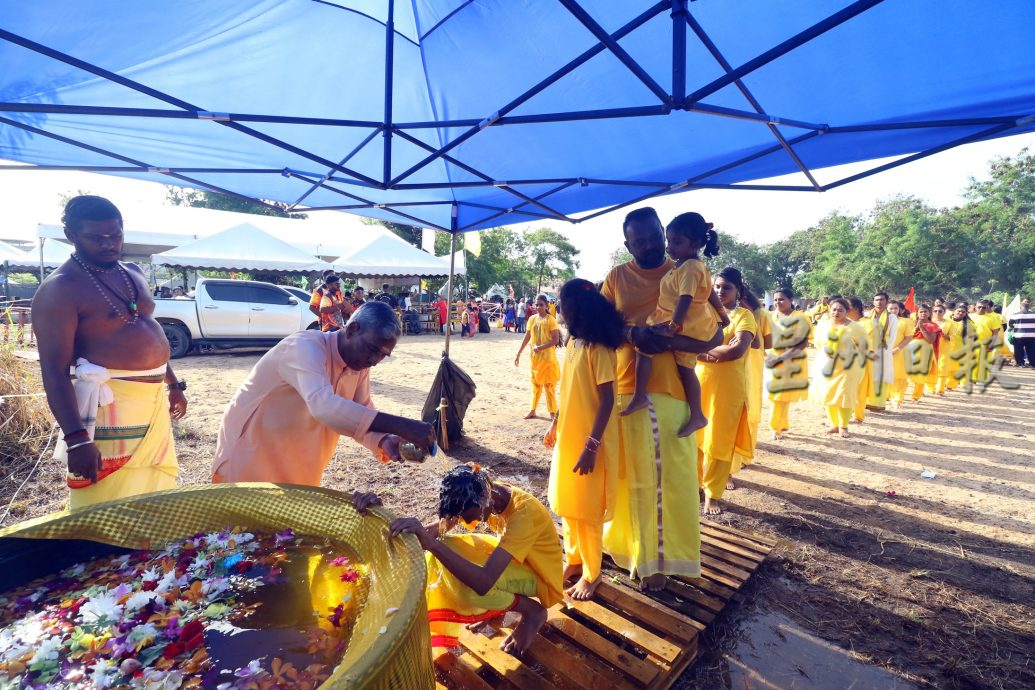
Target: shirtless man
{"x":94,"y":314}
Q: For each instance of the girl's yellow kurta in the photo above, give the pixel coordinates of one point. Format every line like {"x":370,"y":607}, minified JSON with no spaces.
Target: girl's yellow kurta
{"x":588,"y":497}
{"x":545,"y":369}
{"x":724,"y":398}
{"x":526,"y":531}
{"x":904,"y":330}
{"x":788,"y":331}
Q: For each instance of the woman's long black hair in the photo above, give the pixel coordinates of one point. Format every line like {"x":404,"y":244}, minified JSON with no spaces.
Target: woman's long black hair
{"x":589,"y":316}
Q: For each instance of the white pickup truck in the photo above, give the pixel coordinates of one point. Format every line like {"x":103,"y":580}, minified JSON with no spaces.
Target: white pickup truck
{"x":232,"y":313}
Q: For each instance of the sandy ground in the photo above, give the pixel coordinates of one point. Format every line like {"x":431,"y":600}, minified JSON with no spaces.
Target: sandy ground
{"x":933,"y":581}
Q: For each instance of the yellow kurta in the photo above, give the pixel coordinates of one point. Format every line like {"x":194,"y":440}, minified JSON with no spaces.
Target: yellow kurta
{"x":947,"y":366}
{"x":789,"y":331}
{"x":689,"y":278}
{"x":527,"y":532}
{"x":840,"y":365}
{"x":755,"y":362}
{"x":724,"y":398}
{"x":545,"y":369}
{"x":588,"y":497}
{"x":656,"y":521}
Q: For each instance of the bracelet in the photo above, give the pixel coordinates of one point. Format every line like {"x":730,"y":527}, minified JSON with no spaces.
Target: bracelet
{"x":592,"y":444}
{"x":76,"y":433}
{"x":80,"y":445}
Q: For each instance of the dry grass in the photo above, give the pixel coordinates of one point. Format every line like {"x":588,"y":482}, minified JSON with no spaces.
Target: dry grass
{"x":26,"y":428}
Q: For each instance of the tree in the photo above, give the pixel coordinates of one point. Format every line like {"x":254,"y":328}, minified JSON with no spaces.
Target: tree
{"x":620,"y":256}
{"x":751,"y":259}
{"x":550,"y":255}
{"x":202,"y":198}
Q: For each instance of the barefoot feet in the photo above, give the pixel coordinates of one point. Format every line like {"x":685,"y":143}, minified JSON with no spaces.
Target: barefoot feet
{"x":533,"y":617}
{"x":712,"y":506}
{"x":571,"y":573}
{"x":832,"y":430}
{"x":637,"y":403}
{"x":844,"y":433}
{"x":730,"y":485}
{"x":696,"y":421}
{"x":654,"y":583}
{"x":530,"y":415}
{"x":583,"y":589}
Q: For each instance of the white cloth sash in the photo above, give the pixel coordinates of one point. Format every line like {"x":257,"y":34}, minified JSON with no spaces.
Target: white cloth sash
{"x":93,"y":392}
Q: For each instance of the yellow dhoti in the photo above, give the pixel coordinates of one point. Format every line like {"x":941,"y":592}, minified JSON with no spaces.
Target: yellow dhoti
{"x":452,"y":604}
{"x":656,"y":522}
{"x":132,"y":429}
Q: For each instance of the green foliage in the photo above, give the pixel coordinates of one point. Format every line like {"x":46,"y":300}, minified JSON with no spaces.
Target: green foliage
{"x":200,"y":198}
{"x":524,"y":261}
{"x":620,"y":256}
{"x":985,"y":248}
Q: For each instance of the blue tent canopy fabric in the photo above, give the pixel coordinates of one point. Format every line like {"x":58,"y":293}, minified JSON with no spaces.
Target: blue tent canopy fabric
{"x":467,"y":114}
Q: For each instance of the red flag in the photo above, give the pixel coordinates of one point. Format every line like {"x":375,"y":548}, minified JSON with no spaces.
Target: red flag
{"x":910,"y":301}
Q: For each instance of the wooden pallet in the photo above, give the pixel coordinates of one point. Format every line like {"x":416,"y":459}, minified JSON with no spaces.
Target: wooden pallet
{"x":622,"y":639}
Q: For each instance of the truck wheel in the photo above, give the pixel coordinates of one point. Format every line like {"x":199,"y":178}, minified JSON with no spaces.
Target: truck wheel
{"x":179,"y":340}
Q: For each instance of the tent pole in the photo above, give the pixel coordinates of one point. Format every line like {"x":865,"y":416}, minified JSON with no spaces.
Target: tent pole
{"x":42,"y":240}
{"x":449,"y":288}
{"x":389,"y":74}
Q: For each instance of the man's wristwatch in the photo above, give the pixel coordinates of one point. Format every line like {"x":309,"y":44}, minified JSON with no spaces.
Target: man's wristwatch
{"x":180,"y":385}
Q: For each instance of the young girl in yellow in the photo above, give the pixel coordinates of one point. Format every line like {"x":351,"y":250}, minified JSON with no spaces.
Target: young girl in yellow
{"x":475,"y":577}
{"x":585,"y":444}
{"x":545,"y":336}
{"x":840,"y":363}
{"x":686,"y":305}
{"x":902,"y":336}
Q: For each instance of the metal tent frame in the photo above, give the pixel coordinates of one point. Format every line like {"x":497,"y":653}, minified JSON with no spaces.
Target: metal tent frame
{"x":348,"y":183}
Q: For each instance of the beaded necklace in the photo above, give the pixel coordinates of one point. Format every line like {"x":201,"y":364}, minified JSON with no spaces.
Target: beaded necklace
{"x":130,"y":305}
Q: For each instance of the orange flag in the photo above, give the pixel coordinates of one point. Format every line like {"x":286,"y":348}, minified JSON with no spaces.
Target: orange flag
{"x":911,"y":301}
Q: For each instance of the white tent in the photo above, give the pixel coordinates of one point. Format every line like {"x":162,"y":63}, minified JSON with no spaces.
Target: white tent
{"x":459,"y":261}
{"x":15,"y":257}
{"x":54,"y":253}
{"x":387,"y":255}
{"x":243,"y":247}
{"x":154,"y":229}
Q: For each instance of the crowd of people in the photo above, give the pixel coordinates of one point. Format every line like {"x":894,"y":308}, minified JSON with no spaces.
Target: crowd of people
{"x":660,"y":394}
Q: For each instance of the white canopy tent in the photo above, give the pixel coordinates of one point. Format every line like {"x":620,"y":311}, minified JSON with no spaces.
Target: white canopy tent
{"x":243,"y":247}
{"x":460,"y":262}
{"x":387,"y":256}
{"x":14,"y":257}
{"x":156,"y":229}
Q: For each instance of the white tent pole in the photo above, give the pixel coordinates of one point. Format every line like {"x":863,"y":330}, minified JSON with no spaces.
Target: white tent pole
{"x":42,"y":240}
{"x":449,"y":290}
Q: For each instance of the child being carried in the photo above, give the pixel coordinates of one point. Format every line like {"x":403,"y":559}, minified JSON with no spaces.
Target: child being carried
{"x":687,"y":306}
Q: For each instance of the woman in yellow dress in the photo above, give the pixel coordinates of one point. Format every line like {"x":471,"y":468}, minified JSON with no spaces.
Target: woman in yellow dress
{"x":924,"y":348}
{"x":545,"y":335}
{"x":786,"y":363}
{"x":840,"y":362}
{"x":724,"y":395}
{"x":755,"y":362}
{"x":957,"y":331}
{"x":473,"y":577}
{"x":856,"y":315}
{"x":902,"y":336}
{"x":939,"y":318}
{"x":584,"y":470}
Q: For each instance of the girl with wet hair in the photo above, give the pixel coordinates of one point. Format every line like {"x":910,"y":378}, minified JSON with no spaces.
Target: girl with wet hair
{"x":687,"y":306}
{"x":473,"y":577}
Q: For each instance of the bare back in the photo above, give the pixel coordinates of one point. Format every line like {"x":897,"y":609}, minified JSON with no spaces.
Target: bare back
{"x":72,"y":318}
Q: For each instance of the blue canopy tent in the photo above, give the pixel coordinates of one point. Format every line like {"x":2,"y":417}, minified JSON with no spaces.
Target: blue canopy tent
{"x":467,"y":114}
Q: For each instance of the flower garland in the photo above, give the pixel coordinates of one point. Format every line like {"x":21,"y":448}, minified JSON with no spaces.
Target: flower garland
{"x":139,"y":620}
